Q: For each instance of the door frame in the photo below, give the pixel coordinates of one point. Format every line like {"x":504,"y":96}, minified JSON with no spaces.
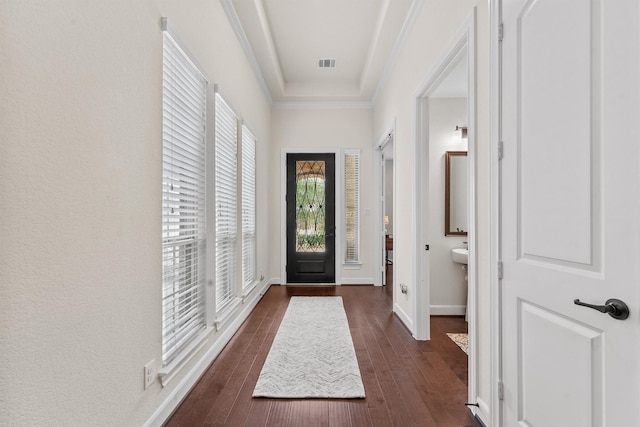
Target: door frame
{"x":465,"y":38}
{"x":495,"y":417}
{"x":337,"y":152}
{"x":379,"y":173}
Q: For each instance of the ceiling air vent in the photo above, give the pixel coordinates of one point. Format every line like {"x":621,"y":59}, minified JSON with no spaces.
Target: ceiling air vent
{"x":326,"y":63}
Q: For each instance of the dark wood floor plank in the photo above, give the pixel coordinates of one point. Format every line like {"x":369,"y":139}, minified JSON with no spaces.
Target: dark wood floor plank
{"x":359,"y":413}
{"x":396,"y":405}
{"x":375,"y":398}
{"x":339,"y":414}
{"x":258,"y":413}
{"x":280,"y":413}
{"x":380,"y":417}
{"x":407,"y":382}
{"x":230,"y":392}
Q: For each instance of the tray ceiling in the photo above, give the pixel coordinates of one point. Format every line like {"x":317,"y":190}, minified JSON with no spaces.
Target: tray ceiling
{"x":285,"y":39}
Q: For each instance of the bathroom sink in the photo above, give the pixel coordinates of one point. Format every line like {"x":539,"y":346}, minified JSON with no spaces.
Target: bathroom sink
{"x":460,"y":255}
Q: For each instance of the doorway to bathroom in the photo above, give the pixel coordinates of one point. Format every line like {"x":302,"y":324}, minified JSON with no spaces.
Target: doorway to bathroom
{"x":445,"y":194}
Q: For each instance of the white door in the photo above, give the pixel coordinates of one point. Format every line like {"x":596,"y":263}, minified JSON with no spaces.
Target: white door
{"x":570,"y":180}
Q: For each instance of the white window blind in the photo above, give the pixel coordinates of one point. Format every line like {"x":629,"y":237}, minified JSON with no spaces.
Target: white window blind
{"x":352,"y":205}
{"x":184,"y":91}
{"x":248,"y":208}
{"x":226,"y":202}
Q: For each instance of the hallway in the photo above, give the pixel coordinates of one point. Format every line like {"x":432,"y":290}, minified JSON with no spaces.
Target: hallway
{"x":408,"y":383}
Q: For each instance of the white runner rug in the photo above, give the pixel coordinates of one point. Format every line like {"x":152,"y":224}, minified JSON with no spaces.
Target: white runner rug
{"x":312,"y":355}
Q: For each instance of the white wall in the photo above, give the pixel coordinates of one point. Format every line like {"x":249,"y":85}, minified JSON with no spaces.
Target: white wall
{"x":317,"y":129}
{"x":448,"y":288}
{"x":80,"y":174}
{"x":432,"y":32}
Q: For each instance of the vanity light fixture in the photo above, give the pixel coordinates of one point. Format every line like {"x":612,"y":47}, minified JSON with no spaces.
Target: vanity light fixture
{"x":463,"y":131}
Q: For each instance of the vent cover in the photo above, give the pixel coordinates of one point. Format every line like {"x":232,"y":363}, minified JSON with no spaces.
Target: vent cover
{"x":326,"y":63}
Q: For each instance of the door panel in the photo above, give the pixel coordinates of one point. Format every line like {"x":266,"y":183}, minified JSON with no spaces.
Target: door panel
{"x":570,"y":214}
{"x":556,"y":207}
{"x":568,"y":353}
{"x":311,"y":218}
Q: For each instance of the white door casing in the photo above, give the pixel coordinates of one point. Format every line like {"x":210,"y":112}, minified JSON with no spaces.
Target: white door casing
{"x":570,"y":212}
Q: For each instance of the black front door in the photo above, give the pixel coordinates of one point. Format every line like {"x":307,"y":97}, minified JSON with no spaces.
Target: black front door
{"x":311,"y":218}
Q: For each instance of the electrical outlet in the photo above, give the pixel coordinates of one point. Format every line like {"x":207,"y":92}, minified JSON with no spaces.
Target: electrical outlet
{"x":149,"y":373}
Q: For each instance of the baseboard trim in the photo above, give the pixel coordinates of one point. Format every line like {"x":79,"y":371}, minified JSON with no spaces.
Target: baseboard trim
{"x":404,"y":318}
{"x":483,"y":412}
{"x":357,"y":281}
{"x":174,"y":399}
{"x":448,"y":310}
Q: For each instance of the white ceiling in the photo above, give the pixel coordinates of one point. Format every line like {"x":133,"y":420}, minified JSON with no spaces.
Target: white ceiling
{"x":284,"y":39}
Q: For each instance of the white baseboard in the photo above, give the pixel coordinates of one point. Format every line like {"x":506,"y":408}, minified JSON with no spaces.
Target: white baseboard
{"x":180,"y":392}
{"x":357,"y":281}
{"x":343,"y":281}
{"x":448,"y":310}
{"x":404,"y":318}
{"x":483,"y":412}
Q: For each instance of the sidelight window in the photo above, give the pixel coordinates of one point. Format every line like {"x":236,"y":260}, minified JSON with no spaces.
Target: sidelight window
{"x":352,"y":205}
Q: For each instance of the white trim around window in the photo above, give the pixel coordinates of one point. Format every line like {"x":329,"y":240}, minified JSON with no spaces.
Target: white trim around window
{"x":226,"y":209}
{"x":248,"y":217}
{"x":184,"y":93}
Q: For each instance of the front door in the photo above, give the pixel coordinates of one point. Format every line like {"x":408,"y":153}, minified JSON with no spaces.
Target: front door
{"x":311,"y":218}
{"x":570,"y":179}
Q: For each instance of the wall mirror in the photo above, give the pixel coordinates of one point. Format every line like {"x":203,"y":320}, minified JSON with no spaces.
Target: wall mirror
{"x":455,"y":203}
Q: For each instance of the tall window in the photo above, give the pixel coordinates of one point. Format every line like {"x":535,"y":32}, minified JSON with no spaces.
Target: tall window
{"x":226,"y":167}
{"x":184,"y":91}
{"x":352,"y":205}
{"x":248,"y":208}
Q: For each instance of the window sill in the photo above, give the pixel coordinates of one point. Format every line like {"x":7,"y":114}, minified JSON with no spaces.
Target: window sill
{"x":352,"y":265}
{"x":226,"y":313}
{"x":248,"y":290}
{"x":167,"y":373}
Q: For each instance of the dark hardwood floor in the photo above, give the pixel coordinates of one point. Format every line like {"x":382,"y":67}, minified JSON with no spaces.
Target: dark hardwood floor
{"x":407,"y":382}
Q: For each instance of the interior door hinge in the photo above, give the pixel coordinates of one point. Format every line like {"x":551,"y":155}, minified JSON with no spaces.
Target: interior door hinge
{"x":426,"y":247}
{"x":500,"y":390}
{"x":500,"y":32}
{"x":500,"y":150}
{"x":499,"y":270}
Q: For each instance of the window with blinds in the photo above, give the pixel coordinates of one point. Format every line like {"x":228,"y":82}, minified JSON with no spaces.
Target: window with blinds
{"x":226,"y":166}
{"x":352,"y":205}
{"x":184,"y":92}
{"x":248,"y":208}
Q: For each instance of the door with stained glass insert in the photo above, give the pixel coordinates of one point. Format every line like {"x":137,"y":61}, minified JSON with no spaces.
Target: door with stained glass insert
{"x":311,"y":218}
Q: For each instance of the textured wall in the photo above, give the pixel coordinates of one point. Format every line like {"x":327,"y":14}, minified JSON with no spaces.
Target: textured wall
{"x":80,"y":192}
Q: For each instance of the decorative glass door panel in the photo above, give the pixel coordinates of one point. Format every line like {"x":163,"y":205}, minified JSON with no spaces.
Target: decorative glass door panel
{"x":310,"y":206}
